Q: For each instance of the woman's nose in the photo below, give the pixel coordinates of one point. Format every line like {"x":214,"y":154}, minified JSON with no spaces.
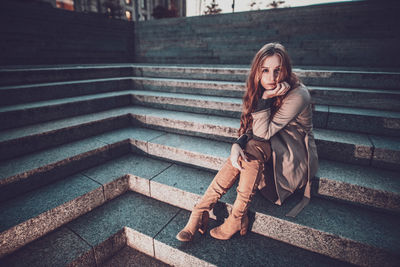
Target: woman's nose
{"x":271,"y":77}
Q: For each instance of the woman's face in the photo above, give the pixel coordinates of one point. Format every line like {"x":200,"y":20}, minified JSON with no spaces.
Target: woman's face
{"x":270,"y":70}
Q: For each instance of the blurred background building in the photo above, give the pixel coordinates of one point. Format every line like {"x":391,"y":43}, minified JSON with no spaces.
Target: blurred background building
{"x":140,"y":10}
{"x":132,"y":10}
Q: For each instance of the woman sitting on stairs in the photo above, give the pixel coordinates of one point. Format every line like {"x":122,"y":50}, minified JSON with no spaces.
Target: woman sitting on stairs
{"x":275,"y":152}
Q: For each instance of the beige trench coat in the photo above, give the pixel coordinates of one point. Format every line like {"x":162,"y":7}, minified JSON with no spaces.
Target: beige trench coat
{"x":294,"y":153}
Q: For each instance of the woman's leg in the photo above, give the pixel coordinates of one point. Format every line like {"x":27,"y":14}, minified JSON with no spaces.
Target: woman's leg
{"x":257,"y":152}
{"x":222,"y":181}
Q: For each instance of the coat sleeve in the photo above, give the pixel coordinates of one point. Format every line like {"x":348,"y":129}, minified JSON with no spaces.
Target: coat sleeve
{"x":292,"y":105}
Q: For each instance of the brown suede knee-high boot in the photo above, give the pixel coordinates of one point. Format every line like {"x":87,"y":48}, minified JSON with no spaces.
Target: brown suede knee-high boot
{"x":238,"y":220}
{"x":198,"y":220}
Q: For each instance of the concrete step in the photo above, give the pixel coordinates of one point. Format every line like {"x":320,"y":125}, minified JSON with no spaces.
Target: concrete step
{"x":32,"y":92}
{"x":317,"y":76}
{"x":369,"y":237}
{"x":14,"y":75}
{"x":353,"y":97}
{"x":349,"y":119}
{"x":331,"y":117}
{"x":311,"y":75}
{"x":362,"y":185}
{"x":36,"y":112}
{"x":129,"y":256}
{"x":96,"y":236}
{"x":366,"y":98}
{"x":336,"y":145}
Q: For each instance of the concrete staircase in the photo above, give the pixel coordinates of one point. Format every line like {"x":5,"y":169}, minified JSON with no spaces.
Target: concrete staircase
{"x":101,"y":163}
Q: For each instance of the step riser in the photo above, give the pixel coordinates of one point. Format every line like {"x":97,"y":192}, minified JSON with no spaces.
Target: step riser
{"x":32,"y":143}
{"x":272,"y":227}
{"x":373,"y":80}
{"x":342,"y":152}
{"x":322,"y":118}
{"x":264,"y":224}
{"x":33,"y":93}
{"x":206,"y":88}
{"x":379,"y":101}
{"x":321,"y":187}
{"x":332,"y":119}
{"x":12,"y":119}
{"x":18,"y":184}
{"x":326,"y":188}
{"x":309,"y":77}
{"x":56,"y":75}
{"x":331,"y":150}
{"x":354,"y":99}
{"x":44,"y":223}
{"x":364,"y":124}
{"x":232,"y":110}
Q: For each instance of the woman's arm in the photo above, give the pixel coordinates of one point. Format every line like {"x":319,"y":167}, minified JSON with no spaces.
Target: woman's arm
{"x":292,"y":105}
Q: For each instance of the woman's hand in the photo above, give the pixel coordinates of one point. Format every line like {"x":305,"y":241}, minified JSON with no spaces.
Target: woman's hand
{"x":280,"y":89}
{"x":237,"y":151}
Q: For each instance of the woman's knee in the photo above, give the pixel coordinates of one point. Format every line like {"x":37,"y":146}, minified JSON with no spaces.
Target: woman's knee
{"x":259,"y":150}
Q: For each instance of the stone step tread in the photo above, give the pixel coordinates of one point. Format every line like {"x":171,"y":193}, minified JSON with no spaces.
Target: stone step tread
{"x":131,"y":257}
{"x":49,"y":84}
{"x":321,"y":214}
{"x":164,"y":172}
{"x":325,"y":215}
{"x":346,"y":89}
{"x":61,"y":101}
{"x":362,"y":176}
{"x":197,"y":66}
{"x":31,"y":204}
{"x":235,"y":85}
{"x":336,"y":109}
{"x":95,"y":227}
{"x":21,"y":166}
{"x":323,"y":134}
{"x":222,"y":99}
{"x":238,"y":101}
{"x":153,"y":232}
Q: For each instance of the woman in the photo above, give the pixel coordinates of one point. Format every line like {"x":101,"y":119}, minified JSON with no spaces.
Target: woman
{"x":275,"y":152}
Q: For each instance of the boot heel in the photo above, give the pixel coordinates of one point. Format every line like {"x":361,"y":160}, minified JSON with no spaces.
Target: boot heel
{"x":244,"y":225}
{"x":243,"y":231}
{"x":204,"y":222}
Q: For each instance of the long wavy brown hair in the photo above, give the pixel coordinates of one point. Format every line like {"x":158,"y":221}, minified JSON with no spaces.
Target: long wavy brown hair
{"x":254,"y":88}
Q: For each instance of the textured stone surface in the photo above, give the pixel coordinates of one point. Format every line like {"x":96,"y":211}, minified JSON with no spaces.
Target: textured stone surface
{"x":140,"y":166}
{"x":128,"y":256}
{"x":343,"y":146}
{"x":320,"y":228}
{"x":359,"y":184}
{"x":18,"y":94}
{"x":19,"y":115}
{"x":380,"y":99}
{"x":72,"y":158}
{"x":386,"y":152}
{"x":323,"y":220}
{"x":220,"y":88}
{"x":364,"y":121}
{"x":196,"y":151}
{"x":110,"y":246}
{"x":62,"y":123}
{"x":33,"y":215}
{"x":65,"y":248}
{"x":45,"y":138}
{"x":139,"y":241}
{"x":62,"y":72}
{"x":205,"y":250}
{"x":132,"y":210}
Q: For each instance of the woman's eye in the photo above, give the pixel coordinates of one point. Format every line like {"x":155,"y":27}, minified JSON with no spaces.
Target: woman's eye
{"x":265,"y":70}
